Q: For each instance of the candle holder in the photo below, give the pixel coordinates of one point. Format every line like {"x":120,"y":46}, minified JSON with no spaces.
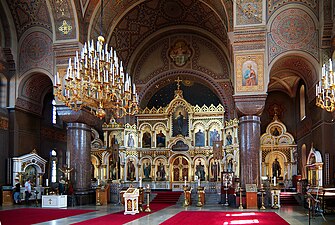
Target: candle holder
{"x":147,"y":191}
{"x":98,"y":203}
{"x":200,"y":190}
{"x":46,"y":190}
{"x":262,"y":207}
{"x":226,"y":200}
{"x":275,"y":199}
{"x":186,"y":201}
{"x":140,"y":199}
{"x":241,"y":205}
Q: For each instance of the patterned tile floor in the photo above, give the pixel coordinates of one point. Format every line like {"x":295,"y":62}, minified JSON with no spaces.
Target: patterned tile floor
{"x":292,"y":214}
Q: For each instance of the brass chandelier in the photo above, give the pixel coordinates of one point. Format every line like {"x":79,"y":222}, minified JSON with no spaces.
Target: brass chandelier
{"x":325,"y":90}
{"x":97,"y":80}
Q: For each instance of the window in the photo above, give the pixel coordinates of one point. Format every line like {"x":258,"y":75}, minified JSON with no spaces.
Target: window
{"x":54,"y":112}
{"x":302,"y":103}
{"x":53,"y":166}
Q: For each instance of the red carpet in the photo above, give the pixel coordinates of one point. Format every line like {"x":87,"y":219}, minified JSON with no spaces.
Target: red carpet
{"x":26,"y":216}
{"x":225,"y":218}
{"x":119,"y":218}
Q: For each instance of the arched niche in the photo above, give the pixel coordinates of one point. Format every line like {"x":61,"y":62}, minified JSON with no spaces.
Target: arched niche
{"x":314,"y":168}
{"x":29,"y":166}
{"x":277,"y":143}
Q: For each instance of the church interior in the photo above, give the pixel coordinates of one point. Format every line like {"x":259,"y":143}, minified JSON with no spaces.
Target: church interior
{"x":224,"y":105}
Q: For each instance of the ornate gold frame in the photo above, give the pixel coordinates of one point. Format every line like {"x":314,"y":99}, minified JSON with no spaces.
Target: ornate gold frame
{"x":258,"y":59}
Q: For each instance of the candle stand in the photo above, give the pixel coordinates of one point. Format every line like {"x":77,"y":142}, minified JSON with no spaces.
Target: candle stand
{"x":201,"y":194}
{"x":147,"y":191}
{"x":187,"y":196}
{"x":140,"y":199}
{"x":98,"y":203}
{"x":241,"y":205}
{"x":262,"y":207}
{"x":46,"y":190}
{"x":226,"y":188}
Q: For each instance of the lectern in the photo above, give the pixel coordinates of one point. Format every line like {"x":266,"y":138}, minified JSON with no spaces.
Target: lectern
{"x":131,"y":201}
{"x":251,"y":195}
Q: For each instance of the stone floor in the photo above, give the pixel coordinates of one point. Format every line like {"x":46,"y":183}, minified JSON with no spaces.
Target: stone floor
{"x":292,"y":214}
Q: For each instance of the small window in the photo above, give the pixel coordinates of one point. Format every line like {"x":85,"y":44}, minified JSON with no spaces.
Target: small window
{"x":54,"y":112}
{"x":302,"y":103}
{"x":53,"y":166}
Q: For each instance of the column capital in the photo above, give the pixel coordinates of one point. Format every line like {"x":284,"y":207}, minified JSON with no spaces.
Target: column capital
{"x":250,"y":104}
{"x":81,"y":116}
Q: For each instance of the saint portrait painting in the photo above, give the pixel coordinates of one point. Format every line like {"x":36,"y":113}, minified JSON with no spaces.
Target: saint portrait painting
{"x":249,"y":69}
{"x":180,"y":122}
{"x":249,"y":72}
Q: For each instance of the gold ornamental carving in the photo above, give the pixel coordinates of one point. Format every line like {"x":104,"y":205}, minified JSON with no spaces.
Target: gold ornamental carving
{"x":65,"y":28}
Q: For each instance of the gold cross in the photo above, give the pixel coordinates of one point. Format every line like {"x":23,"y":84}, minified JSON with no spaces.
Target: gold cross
{"x":65,"y":28}
{"x":178,"y":83}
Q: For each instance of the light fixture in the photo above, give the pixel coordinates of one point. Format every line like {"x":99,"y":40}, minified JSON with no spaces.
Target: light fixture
{"x":96,"y":79}
{"x":325,"y":90}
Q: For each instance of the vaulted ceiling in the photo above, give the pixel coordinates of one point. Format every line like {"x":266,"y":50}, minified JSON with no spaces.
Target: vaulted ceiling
{"x":131,"y":26}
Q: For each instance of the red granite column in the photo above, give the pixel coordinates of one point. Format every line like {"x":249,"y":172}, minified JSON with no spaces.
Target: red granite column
{"x":79,"y":147}
{"x":249,"y":109}
{"x":249,"y":150}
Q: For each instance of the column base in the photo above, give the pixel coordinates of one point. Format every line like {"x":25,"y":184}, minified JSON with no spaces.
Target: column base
{"x":84,"y":197}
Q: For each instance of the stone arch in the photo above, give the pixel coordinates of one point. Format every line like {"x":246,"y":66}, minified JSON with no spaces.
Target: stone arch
{"x":289,"y":68}
{"x":147,"y":90}
{"x":8,"y":33}
{"x":116,"y":24}
{"x":31,"y":92}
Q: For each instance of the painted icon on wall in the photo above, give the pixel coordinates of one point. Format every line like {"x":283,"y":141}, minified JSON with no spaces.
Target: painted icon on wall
{"x":160,"y":139}
{"x":180,"y":122}
{"x":249,"y":72}
{"x":250,"y":77}
{"x":199,"y":138}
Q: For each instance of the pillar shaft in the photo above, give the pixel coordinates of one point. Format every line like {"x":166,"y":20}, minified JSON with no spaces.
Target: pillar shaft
{"x":79,"y":147}
{"x":249,"y":150}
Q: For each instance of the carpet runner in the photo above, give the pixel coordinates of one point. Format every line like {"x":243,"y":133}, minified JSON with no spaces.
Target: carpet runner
{"x":26,"y":216}
{"x":225,"y":218}
{"x":166,"y":197}
{"x":119,"y":218}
